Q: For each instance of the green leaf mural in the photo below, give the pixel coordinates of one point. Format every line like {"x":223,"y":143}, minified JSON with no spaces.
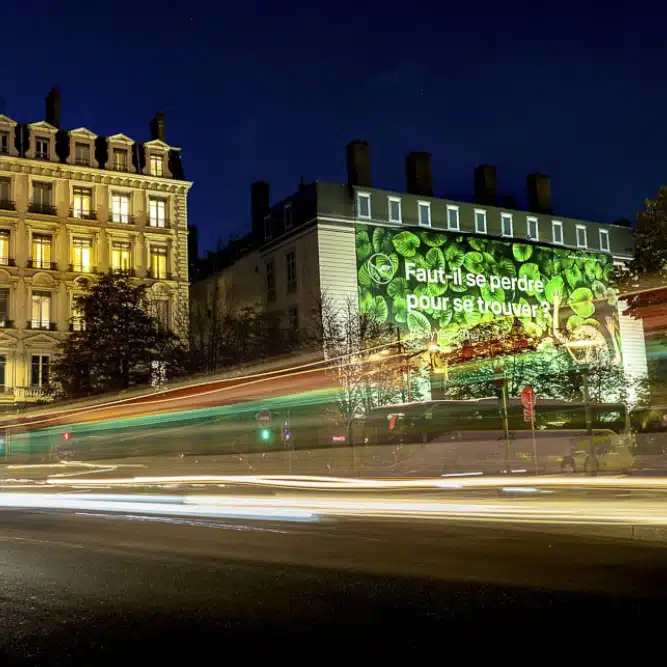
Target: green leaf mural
{"x":522,"y":252}
{"x":406,"y":244}
{"x":581,"y":302}
{"x":423,"y":306}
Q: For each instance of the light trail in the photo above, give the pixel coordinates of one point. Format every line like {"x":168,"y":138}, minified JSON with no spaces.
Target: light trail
{"x":307,"y":482}
{"x":290,"y":508}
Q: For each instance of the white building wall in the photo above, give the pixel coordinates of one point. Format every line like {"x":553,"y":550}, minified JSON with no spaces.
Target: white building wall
{"x":633,"y":347}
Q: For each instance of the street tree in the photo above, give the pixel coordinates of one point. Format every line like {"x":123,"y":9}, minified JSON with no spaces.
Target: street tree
{"x":117,"y":344}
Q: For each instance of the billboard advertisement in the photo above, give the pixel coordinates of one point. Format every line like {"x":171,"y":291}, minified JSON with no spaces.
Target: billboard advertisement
{"x":442,"y":286}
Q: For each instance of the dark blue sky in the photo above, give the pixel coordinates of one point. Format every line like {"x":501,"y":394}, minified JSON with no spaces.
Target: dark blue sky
{"x":274,"y":90}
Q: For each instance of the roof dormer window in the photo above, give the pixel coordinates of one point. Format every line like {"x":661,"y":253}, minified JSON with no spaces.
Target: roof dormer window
{"x":42,"y":148}
{"x":156,"y":165}
{"x":82,"y":154}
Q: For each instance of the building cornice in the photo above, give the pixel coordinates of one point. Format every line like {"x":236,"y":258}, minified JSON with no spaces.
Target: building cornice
{"x":93,"y":175}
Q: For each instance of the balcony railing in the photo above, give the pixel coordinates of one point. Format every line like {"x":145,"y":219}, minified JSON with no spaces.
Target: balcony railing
{"x":42,"y":325}
{"x":43,"y":209}
{"x":7,"y":205}
{"x":42,"y":264}
{"x":81,"y":268}
{"x":82,"y":161}
{"x":4,"y":149}
{"x":158,"y":275}
{"x":122,"y":219}
{"x":77,"y":325}
{"x":120,"y":271}
{"x":43,"y":392}
{"x":41,"y":155}
{"x":7,"y":261}
{"x":6,"y":324}
{"x":82,"y":215}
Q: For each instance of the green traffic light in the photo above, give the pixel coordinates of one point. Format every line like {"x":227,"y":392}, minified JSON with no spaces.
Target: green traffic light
{"x":265,"y":434}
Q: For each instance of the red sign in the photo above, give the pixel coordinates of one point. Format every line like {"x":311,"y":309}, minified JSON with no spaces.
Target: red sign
{"x":528,"y":414}
{"x":264,"y":418}
{"x":528,"y":397}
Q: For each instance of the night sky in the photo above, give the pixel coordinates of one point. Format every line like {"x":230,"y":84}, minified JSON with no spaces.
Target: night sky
{"x":274,"y":90}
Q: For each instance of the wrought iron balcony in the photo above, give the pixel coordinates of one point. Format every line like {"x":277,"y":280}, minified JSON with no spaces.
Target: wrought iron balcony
{"x":82,"y":161}
{"x":82,"y":215}
{"x":42,"y":264}
{"x":7,"y":261}
{"x":7,"y":205}
{"x":6,"y":324}
{"x":77,"y":325}
{"x":154,"y":225}
{"x":41,"y":155}
{"x":128,"y":272}
{"x":42,"y":209}
{"x":122,"y":219}
{"x":81,"y":268}
{"x":42,"y":325}
{"x":158,"y":275}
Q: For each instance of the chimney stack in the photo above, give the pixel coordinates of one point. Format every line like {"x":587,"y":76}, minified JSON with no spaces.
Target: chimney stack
{"x":53,"y":107}
{"x":359,"y":164}
{"x":259,"y":207}
{"x":418,"y":174}
{"x":486,"y":186}
{"x":539,"y":193}
{"x":157,"y":128}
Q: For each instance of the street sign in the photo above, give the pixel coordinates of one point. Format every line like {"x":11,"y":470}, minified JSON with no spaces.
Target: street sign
{"x":528,"y":397}
{"x":264,"y":418}
{"x":528,"y":414}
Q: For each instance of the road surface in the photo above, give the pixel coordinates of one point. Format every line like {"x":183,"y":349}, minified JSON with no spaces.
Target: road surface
{"x":96,"y":589}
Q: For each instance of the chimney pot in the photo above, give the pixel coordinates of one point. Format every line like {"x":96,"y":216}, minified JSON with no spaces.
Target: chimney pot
{"x":486,"y":185}
{"x":539,"y":193}
{"x":359,"y":164}
{"x":53,"y":107}
{"x":418,"y":174}
{"x":157,"y":128}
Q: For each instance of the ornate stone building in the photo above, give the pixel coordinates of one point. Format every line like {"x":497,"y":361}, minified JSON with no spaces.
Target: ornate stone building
{"x":73,"y":204}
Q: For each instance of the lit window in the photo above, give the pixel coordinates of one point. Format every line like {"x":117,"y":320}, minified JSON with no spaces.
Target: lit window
{"x":506,"y":224}
{"x":480,"y":221}
{"x":582,"y":240}
{"x":156,"y":165}
{"x":288,"y":216}
{"x":42,"y":146}
{"x":39,"y":371}
{"x":424,"y":211}
{"x":41,"y":310}
{"x":270,"y":281}
{"x":82,"y":154}
{"x":604,"y":240}
{"x":157,"y":212}
{"x":120,"y":160}
{"x":532,"y":229}
{"x":120,"y":208}
{"x":4,"y":247}
{"x":395,"y":213}
{"x":81,"y":255}
{"x":158,"y":263}
{"x":41,"y":252}
{"x":81,"y":204}
{"x":78,"y":320}
{"x":120,"y":256}
{"x":557,"y":232}
{"x":4,"y":306}
{"x":290,"y":258}
{"x":453,"y":217}
{"x":363,"y":205}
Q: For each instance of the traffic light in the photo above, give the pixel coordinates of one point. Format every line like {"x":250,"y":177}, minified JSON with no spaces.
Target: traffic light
{"x":265,"y":435}
{"x":67,"y":435}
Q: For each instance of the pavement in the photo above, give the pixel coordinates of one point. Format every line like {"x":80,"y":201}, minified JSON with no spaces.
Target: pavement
{"x":99,"y":588}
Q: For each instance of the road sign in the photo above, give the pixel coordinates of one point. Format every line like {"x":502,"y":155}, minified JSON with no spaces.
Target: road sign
{"x":528,"y":397}
{"x":264,"y":418}
{"x":528,"y":414}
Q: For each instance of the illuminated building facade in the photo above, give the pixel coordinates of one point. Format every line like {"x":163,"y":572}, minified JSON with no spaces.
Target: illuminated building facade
{"x":434,"y":268}
{"x":74,"y":204}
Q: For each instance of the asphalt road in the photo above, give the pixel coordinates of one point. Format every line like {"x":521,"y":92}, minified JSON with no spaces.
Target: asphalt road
{"x":96,"y":589}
